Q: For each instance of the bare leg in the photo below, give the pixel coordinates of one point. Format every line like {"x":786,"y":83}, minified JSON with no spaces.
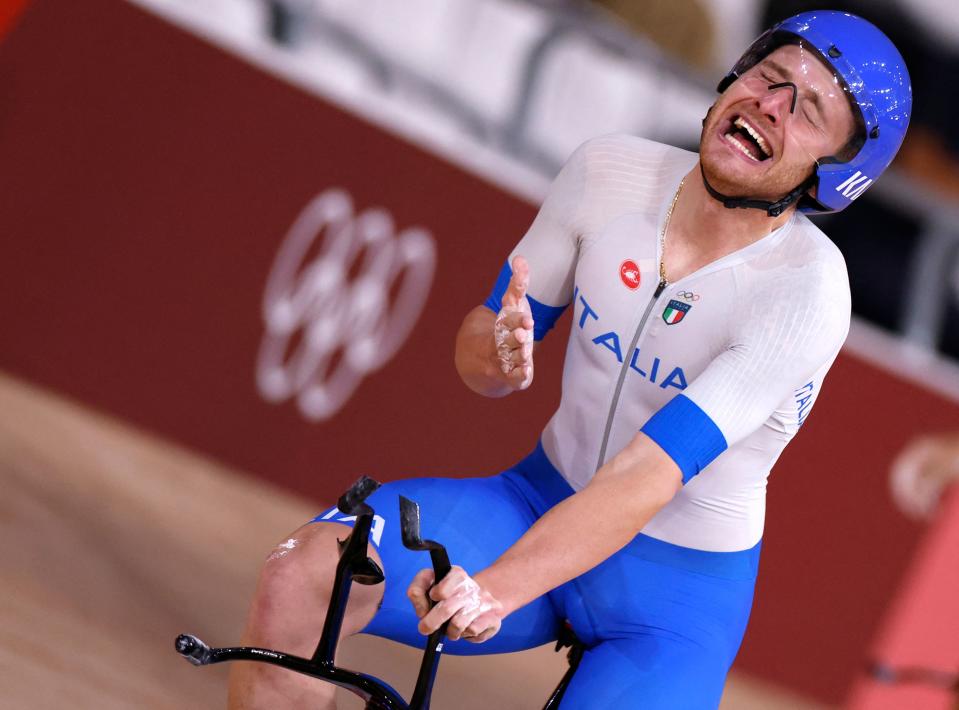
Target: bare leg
{"x":287,"y":614}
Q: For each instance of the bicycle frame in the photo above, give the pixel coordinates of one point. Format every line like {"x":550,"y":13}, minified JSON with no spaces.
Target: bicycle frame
{"x":355,"y":565}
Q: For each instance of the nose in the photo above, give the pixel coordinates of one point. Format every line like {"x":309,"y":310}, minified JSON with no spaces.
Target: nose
{"x":776,"y":101}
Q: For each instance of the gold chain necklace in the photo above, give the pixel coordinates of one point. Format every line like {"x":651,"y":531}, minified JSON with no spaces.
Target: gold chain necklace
{"x":663,"y":282}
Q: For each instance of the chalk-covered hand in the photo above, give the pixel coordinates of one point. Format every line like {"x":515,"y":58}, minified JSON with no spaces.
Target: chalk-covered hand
{"x":513,"y":330}
{"x":472,"y":612}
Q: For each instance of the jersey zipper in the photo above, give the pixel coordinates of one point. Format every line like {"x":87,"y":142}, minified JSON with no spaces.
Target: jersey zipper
{"x":622,"y":372}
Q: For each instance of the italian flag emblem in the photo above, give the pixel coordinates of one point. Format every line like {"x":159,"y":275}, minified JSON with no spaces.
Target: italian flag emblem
{"x":675,"y":312}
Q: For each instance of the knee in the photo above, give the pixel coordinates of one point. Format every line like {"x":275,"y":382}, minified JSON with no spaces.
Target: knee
{"x":295,"y":584}
{"x":295,"y":578}
{"x":297,"y":562}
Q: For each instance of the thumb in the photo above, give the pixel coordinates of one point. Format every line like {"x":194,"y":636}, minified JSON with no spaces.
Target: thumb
{"x":418,"y":591}
{"x":518,"y":283}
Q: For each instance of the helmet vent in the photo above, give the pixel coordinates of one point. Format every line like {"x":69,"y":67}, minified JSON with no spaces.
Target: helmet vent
{"x":874,"y":133}
{"x":834,"y":52}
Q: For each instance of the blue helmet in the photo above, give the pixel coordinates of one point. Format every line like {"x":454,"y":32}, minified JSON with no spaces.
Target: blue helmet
{"x":875,"y":79}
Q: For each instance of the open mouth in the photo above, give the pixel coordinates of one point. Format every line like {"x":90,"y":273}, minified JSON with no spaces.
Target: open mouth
{"x":747,"y":138}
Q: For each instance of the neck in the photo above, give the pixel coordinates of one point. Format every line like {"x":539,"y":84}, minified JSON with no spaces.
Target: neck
{"x":702,"y":219}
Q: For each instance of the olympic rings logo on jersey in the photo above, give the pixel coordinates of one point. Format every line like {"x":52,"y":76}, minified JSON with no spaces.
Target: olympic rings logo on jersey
{"x":339,"y":302}
{"x":688,"y":296}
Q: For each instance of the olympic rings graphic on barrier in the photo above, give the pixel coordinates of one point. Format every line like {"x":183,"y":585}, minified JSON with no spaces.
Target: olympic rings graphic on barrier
{"x":339,"y":302}
{"x":688,"y":295}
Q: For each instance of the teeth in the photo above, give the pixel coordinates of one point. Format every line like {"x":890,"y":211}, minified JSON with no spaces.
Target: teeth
{"x":732,"y":139}
{"x":740,"y":123}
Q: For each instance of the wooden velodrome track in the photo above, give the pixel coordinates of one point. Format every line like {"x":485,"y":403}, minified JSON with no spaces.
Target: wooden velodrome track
{"x":113,"y":541}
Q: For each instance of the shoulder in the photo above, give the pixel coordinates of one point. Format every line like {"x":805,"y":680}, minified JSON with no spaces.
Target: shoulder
{"x":622,"y":173}
{"x":635,"y":155}
{"x":799,"y":288}
{"x":804,"y":265}
{"x":822,"y":263}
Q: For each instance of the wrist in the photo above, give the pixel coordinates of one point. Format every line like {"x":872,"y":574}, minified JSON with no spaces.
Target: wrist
{"x":494,"y":582}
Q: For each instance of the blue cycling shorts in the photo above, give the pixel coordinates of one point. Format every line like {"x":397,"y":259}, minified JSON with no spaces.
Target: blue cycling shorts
{"x":661,"y":623}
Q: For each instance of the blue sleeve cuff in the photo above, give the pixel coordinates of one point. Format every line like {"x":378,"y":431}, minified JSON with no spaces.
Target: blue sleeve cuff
{"x":687,"y":434}
{"x":544,"y":317}
{"x":495,"y":300}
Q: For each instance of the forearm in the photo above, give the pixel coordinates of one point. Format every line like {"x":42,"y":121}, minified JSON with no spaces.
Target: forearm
{"x":475,"y":356}
{"x":586,"y":528}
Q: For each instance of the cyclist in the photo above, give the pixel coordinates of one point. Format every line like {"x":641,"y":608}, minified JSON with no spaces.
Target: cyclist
{"x":707,"y":310}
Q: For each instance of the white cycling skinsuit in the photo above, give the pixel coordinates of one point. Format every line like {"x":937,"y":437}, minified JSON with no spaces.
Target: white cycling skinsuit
{"x":720,"y":368}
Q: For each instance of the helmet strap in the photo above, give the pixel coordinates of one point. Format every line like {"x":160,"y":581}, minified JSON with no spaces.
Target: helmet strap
{"x":773,"y":209}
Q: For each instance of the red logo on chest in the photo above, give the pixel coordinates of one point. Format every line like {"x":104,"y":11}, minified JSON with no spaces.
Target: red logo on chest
{"x":629,"y":273}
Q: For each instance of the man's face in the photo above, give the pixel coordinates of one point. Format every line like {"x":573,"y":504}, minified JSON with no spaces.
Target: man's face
{"x":752,"y":145}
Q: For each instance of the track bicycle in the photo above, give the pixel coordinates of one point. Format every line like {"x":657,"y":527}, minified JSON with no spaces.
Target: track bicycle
{"x":355,"y":565}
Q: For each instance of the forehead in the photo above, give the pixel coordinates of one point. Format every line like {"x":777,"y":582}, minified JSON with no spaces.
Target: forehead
{"x":807,"y":67}
{"x":814,"y":79}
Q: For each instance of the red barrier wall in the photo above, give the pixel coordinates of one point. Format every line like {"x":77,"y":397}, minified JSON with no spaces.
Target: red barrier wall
{"x":9,"y":12}
{"x":147,"y":184}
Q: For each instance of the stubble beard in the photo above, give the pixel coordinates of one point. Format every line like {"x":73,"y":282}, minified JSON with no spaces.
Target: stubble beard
{"x":771,"y":185}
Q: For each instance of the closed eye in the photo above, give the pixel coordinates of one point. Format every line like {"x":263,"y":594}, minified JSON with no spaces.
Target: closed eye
{"x":770,"y":74}
{"x":812,"y":116}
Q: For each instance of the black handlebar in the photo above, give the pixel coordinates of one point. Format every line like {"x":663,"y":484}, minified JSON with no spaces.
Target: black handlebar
{"x":413,"y":540}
